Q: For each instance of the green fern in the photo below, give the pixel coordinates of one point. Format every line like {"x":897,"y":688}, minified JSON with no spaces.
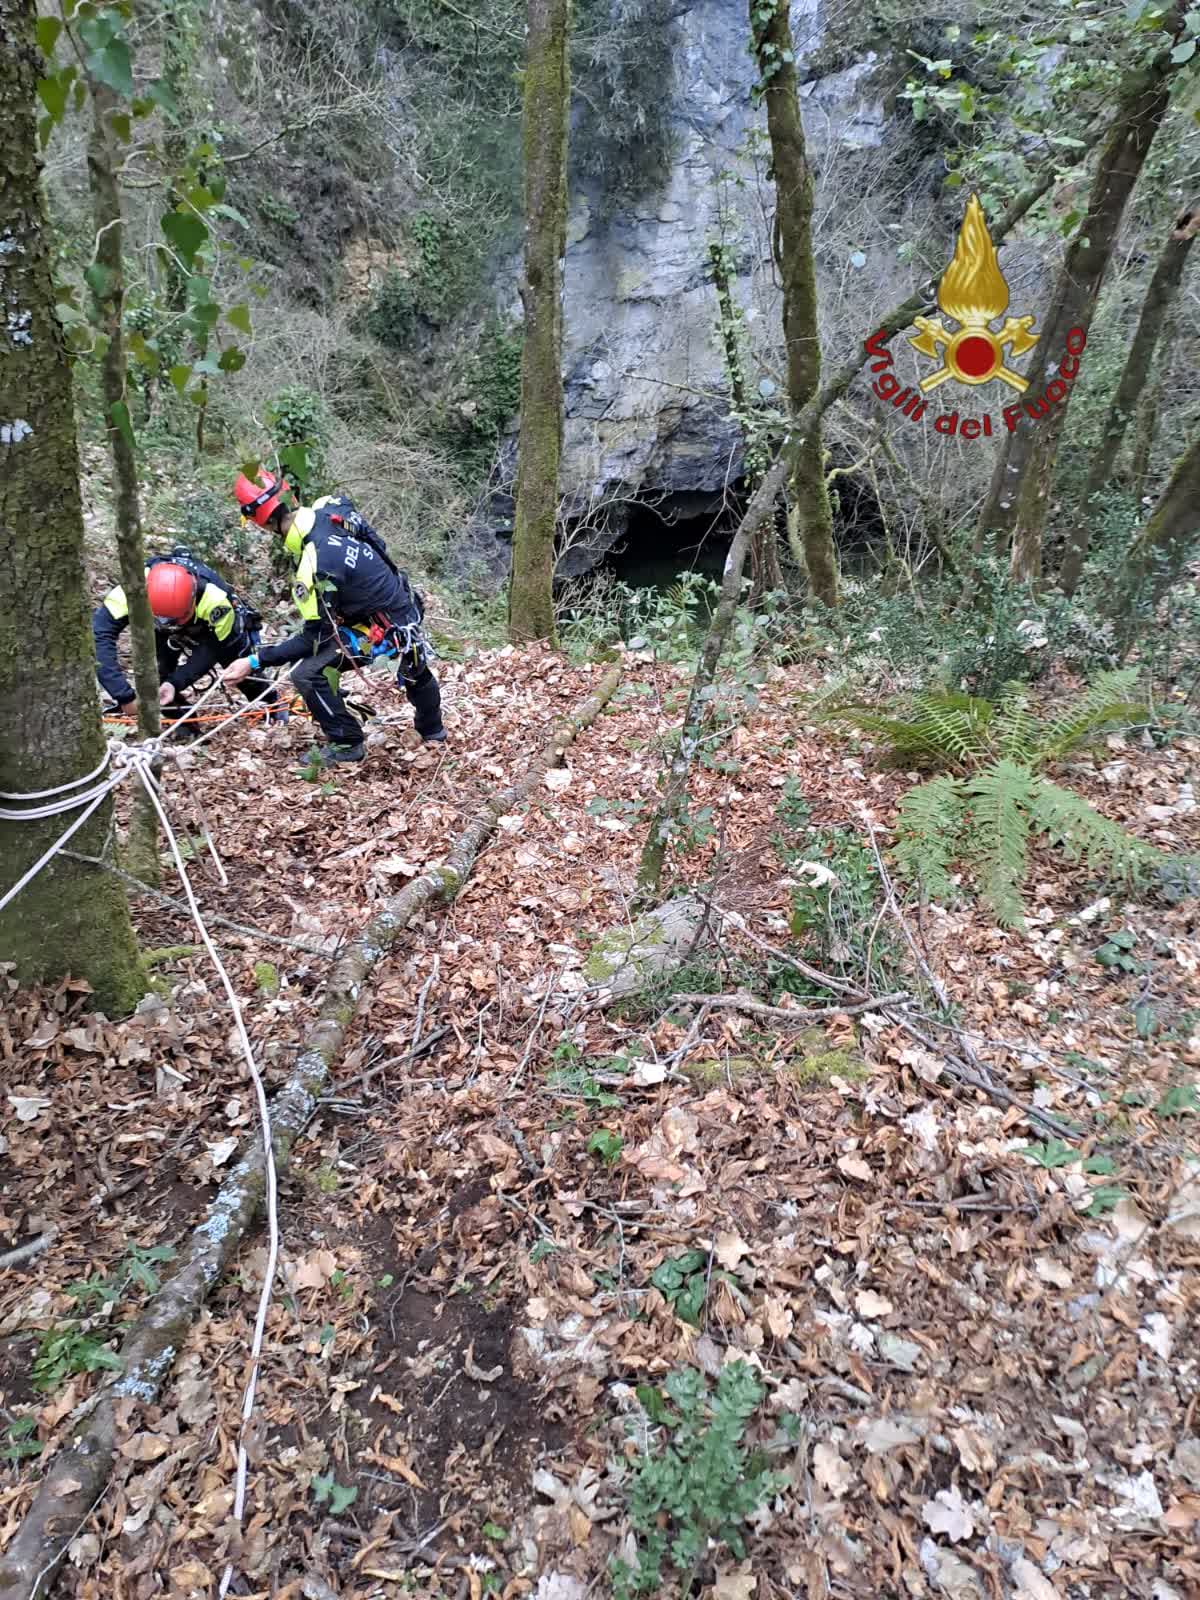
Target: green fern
{"x":1016,"y":731}
{"x":930,"y":825}
{"x":1085,"y":835}
{"x":944,"y":727}
{"x":962,"y":731}
{"x":1103,"y":703}
{"x":1001,"y":799}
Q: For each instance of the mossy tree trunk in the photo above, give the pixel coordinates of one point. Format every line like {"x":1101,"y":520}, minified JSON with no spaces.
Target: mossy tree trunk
{"x":765,"y":571}
{"x":1014,"y":513}
{"x":64,"y":921}
{"x":547,"y":103}
{"x":1156,"y":558}
{"x":1135,"y":377}
{"x":109,"y":302}
{"x":812,"y":517}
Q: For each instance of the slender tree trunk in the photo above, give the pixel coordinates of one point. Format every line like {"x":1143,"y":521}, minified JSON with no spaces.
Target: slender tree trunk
{"x":547,"y":103}
{"x":1157,"y":556}
{"x":1156,"y":308}
{"x":109,"y":297}
{"x":1145,"y":428}
{"x":812,"y":519}
{"x":64,"y":921}
{"x":675,"y":787}
{"x":1015,"y":509}
{"x":766,"y":573}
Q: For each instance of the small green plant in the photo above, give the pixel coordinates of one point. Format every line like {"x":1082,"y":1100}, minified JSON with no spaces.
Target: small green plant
{"x":338,"y":1496}
{"x":299,"y":425}
{"x":1114,"y":952}
{"x":997,"y":799}
{"x":17,"y":1443}
{"x":607,"y":1145}
{"x":67,"y":1349}
{"x":696,"y":1489}
{"x":71,"y":1347}
{"x":683,"y":1283}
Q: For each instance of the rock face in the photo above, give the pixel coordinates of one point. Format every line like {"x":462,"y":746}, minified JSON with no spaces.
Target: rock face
{"x":645,"y":378}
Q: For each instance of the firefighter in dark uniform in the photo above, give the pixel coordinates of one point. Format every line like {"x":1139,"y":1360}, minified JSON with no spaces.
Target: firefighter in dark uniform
{"x":199,"y":624}
{"x":344,"y":575}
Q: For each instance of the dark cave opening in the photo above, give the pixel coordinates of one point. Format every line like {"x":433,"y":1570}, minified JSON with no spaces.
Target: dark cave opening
{"x":667,"y":535}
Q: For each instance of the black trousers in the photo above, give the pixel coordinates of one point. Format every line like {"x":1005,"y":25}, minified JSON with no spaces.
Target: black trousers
{"x":222,"y":655}
{"x":316,"y":680}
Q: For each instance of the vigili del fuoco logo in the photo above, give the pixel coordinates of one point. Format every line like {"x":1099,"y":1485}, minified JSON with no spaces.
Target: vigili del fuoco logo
{"x":974,"y":294}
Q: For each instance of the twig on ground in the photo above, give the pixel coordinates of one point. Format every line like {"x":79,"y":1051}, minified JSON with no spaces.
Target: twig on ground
{"x":534,"y":1169}
{"x":423,"y":1048}
{"x":969,"y":1075}
{"x":421,"y":999}
{"x":519,"y":1074}
{"x":838,"y":985}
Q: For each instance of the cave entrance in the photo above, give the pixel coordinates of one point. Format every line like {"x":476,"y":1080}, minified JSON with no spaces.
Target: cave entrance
{"x":671,"y":534}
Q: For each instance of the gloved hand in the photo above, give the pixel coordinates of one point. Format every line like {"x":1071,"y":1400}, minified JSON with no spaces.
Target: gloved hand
{"x":166,"y":694}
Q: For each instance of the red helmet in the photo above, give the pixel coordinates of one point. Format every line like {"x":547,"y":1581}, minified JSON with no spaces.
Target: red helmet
{"x":259,"y":503}
{"x":172,"y":592}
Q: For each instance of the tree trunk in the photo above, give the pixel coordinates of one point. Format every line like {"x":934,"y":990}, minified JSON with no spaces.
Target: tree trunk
{"x":1015,"y":509}
{"x":547,"y":103}
{"x":109,"y":299}
{"x":1156,"y":307}
{"x":812,"y":517}
{"x":1145,"y":430}
{"x":766,"y":573}
{"x":1156,"y":558}
{"x":666,"y":820}
{"x":50,"y":730}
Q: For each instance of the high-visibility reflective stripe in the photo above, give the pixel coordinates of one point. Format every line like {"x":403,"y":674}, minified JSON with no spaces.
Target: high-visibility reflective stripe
{"x":304,"y":591}
{"x":116,"y":604}
{"x":215,"y":607}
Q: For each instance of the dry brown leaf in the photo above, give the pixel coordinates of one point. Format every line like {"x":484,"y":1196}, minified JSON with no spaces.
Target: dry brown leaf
{"x":871,"y":1304}
{"x":1051,"y":1271}
{"x":729,"y":1250}
{"x":948,"y":1513}
{"x":316,"y":1269}
{"x":736,"y":1586}
{"x":831,"y":1470}
{"x":854,"y":1167}
{"x":145,"y":1447}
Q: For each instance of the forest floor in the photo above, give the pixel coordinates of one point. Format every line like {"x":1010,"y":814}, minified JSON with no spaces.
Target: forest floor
{"x":977,"y":1342}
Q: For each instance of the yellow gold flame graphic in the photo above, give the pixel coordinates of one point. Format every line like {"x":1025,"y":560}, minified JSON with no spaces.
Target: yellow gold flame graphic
{"x":973,"y":290}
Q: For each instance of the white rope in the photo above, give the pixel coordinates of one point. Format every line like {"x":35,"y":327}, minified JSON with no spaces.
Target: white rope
{"x":75,"y":783}
{"x":139,"y":759}
{"x":142,"y":766}
{"x":58,"y":843}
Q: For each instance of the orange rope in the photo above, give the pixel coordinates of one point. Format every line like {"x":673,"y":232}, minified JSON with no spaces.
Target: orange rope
{"x":297,"y":709}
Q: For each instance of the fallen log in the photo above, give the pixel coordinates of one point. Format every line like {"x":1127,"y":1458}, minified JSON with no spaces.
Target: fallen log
{"x":79,"y":1472}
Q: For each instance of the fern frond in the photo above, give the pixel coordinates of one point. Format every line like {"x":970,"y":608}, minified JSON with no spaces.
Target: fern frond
{"x":930,"y":827}
{"x":1084,"y":835}
{"x":1015,"y":730}
{"x":944,"y":727}
{"x":956,"y":724}
{"x":1103,"y":703}
{"x":1000,"y":800}
{"x":906,"y":739}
